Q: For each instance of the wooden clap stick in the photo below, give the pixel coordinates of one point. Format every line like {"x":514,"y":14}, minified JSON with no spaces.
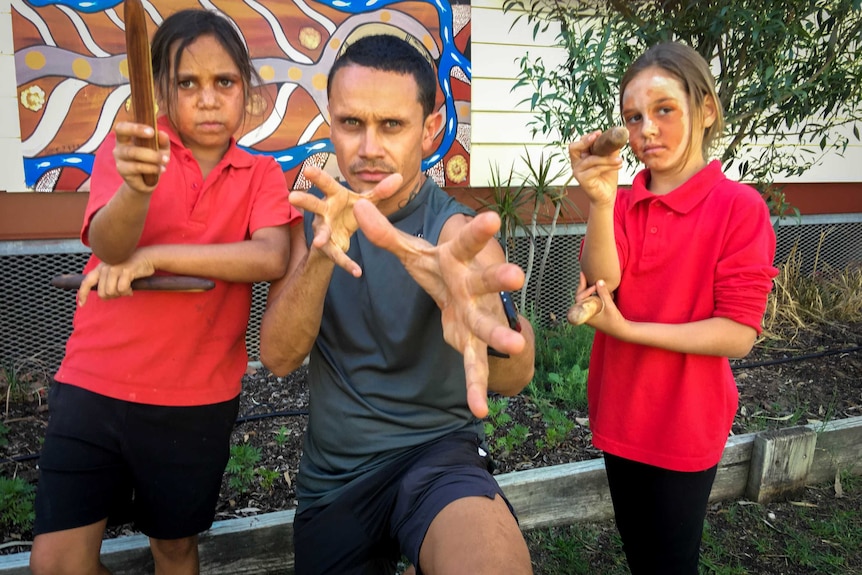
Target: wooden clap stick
{"x":610,"y":141}
{"x":151,"y":283}
{"x":140,"y":66}
{"x":143,"y":96}
{"x":584,"y":311}
{"x":607,"y":143}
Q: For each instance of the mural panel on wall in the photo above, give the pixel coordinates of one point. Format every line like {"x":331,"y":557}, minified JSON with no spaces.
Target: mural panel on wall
{"x":73,"y":85}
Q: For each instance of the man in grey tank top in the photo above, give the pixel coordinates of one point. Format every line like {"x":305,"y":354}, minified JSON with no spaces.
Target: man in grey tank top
{"x":393,"y":290}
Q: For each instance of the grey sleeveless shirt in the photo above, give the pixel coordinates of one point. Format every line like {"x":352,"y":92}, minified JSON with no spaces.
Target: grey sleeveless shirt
{"x":382,"y":379}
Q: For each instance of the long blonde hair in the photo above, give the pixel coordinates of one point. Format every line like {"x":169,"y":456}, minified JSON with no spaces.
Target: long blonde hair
{"x":693,"y":72}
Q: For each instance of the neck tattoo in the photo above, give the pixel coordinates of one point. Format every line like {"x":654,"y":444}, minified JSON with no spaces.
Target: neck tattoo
{"x":413,"y":193}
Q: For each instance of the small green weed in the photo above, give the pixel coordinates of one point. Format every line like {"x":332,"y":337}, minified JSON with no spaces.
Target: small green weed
{"x":281,"y":436}
{"x":557,"y":426}
{"x":715,"y":560}
{"x":268,"y":477}
{"x":497,"y":416}
{"x":16,"y":504}
{"x":513,"y":439}
{"x":570,"y":388}
{"x":501,"y":435}
{"x":240,"y":467}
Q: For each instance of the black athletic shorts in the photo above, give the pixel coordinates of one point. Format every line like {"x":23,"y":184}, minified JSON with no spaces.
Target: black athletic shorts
{"x":367,"y":528}
{"x":159,"y":467}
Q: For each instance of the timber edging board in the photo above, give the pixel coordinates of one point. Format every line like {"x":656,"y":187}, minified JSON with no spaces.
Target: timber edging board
{"x":555,"y":495}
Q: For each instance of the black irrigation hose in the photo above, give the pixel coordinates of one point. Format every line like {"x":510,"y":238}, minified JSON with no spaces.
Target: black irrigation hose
{"x":239,"y":420}
{"x":19,"y":458}
{"x":257,"y":416}
{"x":292,"y":413}
{"x":796,"y":358}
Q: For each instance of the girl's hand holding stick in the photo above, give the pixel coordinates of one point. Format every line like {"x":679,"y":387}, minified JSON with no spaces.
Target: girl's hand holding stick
{"x":608,"y":142}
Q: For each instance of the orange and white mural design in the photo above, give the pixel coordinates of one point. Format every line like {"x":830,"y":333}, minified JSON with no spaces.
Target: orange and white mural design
{"x":72,"y":77}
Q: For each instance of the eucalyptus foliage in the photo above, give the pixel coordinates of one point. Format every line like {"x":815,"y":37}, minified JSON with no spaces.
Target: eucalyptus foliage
{"x":788,"y":72}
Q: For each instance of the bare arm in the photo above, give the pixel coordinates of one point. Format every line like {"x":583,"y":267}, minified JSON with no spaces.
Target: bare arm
{"x":597,"y":176}
{"x":714,"y":336}
{"x":294,"y":308}
{"x":115,"y":229}
{"x":717,"y":336}
{"x":262,"y":258}
{"x":508,"y":376}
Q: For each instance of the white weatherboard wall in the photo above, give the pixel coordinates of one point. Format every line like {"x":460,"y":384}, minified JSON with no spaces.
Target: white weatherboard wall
{"x":11,"y":166}
{"x":500,"y":129}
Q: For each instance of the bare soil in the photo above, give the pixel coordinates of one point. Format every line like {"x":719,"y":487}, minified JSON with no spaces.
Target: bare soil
{"x":812,"y":375}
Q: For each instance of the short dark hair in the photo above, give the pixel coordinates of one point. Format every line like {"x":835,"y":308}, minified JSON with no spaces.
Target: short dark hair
{"x":389,"y":53}
{"x":182,"y":28}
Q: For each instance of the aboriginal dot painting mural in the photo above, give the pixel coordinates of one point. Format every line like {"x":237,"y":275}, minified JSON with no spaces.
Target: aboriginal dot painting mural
{"x":73,"y":85}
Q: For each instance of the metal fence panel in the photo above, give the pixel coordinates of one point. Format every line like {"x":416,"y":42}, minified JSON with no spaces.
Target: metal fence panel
{"x":36,"y":318}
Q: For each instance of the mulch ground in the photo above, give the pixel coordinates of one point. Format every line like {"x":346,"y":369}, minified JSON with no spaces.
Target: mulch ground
{"x":813,"y":375}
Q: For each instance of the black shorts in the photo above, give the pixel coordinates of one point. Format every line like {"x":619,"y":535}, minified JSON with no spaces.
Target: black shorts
{"x":367,"y":528}
{"x":160,"y":467}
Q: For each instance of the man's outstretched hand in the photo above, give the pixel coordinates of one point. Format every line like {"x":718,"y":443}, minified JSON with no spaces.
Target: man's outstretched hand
{"x":465,"y":282}
{"x":335,"y":223}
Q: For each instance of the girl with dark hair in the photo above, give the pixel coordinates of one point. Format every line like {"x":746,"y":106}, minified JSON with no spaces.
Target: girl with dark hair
{"x":144,"y":402}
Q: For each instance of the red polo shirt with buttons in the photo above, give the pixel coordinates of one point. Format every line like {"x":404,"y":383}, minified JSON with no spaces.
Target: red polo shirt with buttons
{"x":171,"y":348}
{"x":704,"y":250}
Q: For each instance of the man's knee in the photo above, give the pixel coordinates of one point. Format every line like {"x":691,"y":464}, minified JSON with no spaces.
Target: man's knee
{"x":476,"y":532}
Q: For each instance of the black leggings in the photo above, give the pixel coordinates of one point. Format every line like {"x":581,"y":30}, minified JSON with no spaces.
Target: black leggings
{"x":659,"y":514}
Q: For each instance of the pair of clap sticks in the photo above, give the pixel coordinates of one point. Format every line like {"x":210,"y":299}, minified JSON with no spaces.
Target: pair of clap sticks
{"x":144,"y":110}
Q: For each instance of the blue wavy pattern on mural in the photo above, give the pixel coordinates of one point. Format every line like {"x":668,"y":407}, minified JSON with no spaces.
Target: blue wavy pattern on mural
{"x":44,"y":164}
{"x":450,"y":57}
{"x":35,"y":168}
{"x":86,"y":6}
{"x":292,"y":157}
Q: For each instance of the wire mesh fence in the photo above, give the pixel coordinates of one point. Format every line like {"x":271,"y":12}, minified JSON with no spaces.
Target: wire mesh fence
{"x":36,"y":318}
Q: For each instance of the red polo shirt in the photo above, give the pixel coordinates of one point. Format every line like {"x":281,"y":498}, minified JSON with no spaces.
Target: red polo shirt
{"x":169,"y":348}
{"x":704,"y":250}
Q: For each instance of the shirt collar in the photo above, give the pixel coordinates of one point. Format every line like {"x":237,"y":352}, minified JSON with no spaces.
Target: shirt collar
{"x":684,"y":198}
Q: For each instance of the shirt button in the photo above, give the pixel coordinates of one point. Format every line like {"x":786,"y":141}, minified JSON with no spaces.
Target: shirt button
{"x":653,"y":230}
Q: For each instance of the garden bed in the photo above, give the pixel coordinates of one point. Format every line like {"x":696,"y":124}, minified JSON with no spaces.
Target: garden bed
{"x":811,"y":378}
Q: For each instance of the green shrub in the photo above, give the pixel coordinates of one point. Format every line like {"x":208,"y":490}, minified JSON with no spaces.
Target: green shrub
{"x":497,"y":416}
{"x":240,"y":467}
{"x":562,"y":360}
{"x":16,"y":504}
{"x":501,"y":434}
